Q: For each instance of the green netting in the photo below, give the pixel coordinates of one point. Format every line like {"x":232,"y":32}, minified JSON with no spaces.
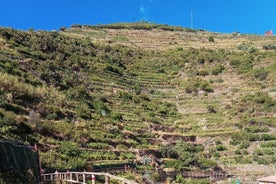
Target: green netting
{"x":17,"y":157}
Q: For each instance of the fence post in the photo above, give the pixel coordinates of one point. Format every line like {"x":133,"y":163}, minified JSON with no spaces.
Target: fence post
{"x":77,"y":177}
{"x":93,"y":179}
{"x":83,"y":178}
{"x":107,"y":179}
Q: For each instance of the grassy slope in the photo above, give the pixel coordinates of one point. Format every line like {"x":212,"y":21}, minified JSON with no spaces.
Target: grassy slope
{"x":123,"y":88}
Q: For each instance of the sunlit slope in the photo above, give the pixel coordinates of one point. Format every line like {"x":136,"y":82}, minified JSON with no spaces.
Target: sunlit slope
{"x":100,"y":93}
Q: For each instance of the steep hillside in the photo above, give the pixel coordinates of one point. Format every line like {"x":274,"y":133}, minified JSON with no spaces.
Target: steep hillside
{"x":178,"y":97}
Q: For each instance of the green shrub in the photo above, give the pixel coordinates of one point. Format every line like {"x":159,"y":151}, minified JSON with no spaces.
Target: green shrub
{"x":179,"y":179}
{"x":202,"y":73}
{"x":98,"y":145}
{"x":260,"y":74}
{"x":215,"y":154}
{"x":258,"y":152}
{"x":221,"y":147}
{"x":117,"y":116}
{"x":114,"y":70}
{"x":211,"y":39}
{"x":176,"y":164}
{"x":244,"y":145}
{"x":206,"y":163}
{"x":69,"y":149}
{"x":242,"y":47}
{"x":235,"y":142}
{"x":269,"y":144}
{"x":243,"y":160}
{"x":269,"y":47}
{"x":261,"y":98}
{"x":252,"y":50}
{"x":205,"y":86}
{"x":217,"y":69}
{"x":261,"y":160}
{"x":245,"y":66}
{"x":235,"y":63}
{"x":211,"y":109}
{"x":268,"y":151}
{"x":255,"y":129}
{"x":196,"y":181}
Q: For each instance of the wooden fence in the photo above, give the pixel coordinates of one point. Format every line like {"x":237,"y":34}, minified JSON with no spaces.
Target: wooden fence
{"x":82,"y":177}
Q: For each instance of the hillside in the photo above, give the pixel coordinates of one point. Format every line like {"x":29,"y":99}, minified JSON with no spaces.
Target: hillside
{"x":115,"y":93}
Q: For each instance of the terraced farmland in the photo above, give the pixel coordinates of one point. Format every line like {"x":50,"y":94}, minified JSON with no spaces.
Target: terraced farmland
{"x":123,"y":93}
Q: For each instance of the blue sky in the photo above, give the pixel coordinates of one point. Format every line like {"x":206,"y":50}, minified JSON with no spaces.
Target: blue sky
{"x":246,"y":16}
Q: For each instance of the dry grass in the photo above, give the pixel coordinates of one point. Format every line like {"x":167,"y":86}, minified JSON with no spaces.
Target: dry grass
{"x":162,"y":40}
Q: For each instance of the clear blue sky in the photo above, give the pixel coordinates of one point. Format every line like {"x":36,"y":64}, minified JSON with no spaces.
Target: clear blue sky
{"x":246,"y":16}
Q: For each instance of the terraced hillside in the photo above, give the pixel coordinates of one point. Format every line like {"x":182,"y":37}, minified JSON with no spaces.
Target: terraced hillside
{"x":175,"y":97}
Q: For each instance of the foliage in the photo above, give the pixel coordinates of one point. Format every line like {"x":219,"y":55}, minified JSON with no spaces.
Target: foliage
{"x":86,"y":95}
{"x":186,"y":155}
{"x":260,"y":99}
{"x":269,"y":144}
{"x":242,"y":47}
{"x":269,"y":47}
{"x":137,"y":25}
{"x":217,"y":69}
{"x":260,"y":74}
{"x":196,"y":84}
{"x":211,"y":39}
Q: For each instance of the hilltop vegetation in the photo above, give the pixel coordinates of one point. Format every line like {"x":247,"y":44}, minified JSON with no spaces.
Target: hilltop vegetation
{"x":90,"y":94}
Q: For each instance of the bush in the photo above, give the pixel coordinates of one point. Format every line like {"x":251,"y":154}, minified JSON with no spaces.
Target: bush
{"x":197,"y":181}
{"x":218,"y":69}
{"x":221,"y":147}
{"x":179,"y":178}
{"x":114,"y":70}
{"x":70,"y":149}
{"x":206,"y":87}
{"x":206,"y":163}
{"x":269,"y":47}
{"x":211,"y":39}
{"x":262,"y":98}
{"x":258,"y":152}
{"x":202,"y":73}
{"x":243,"y":47}
{"x":252,"y":50}
{"x":268,"y":151}
{"x":235,"y":142}
{"x":261,"y":160}
{"x":211,"y":109}
{"x":117,"y":116}
{"x":270,"y":144}
{"x":98,"y":145}
{"x":256,"y":129}
{"x":244,"y":145}
{"x":215,"y":154}
{"x":245,"y":66}
{"x":260,"y":74}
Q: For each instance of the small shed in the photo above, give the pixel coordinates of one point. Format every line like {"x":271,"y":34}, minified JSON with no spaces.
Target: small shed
{"x":267,"y":180}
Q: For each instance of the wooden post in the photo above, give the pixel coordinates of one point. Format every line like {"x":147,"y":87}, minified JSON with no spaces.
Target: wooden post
{"x":107,"y":179}
{"x":77,"y":177}
{"x":83,"y":178}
